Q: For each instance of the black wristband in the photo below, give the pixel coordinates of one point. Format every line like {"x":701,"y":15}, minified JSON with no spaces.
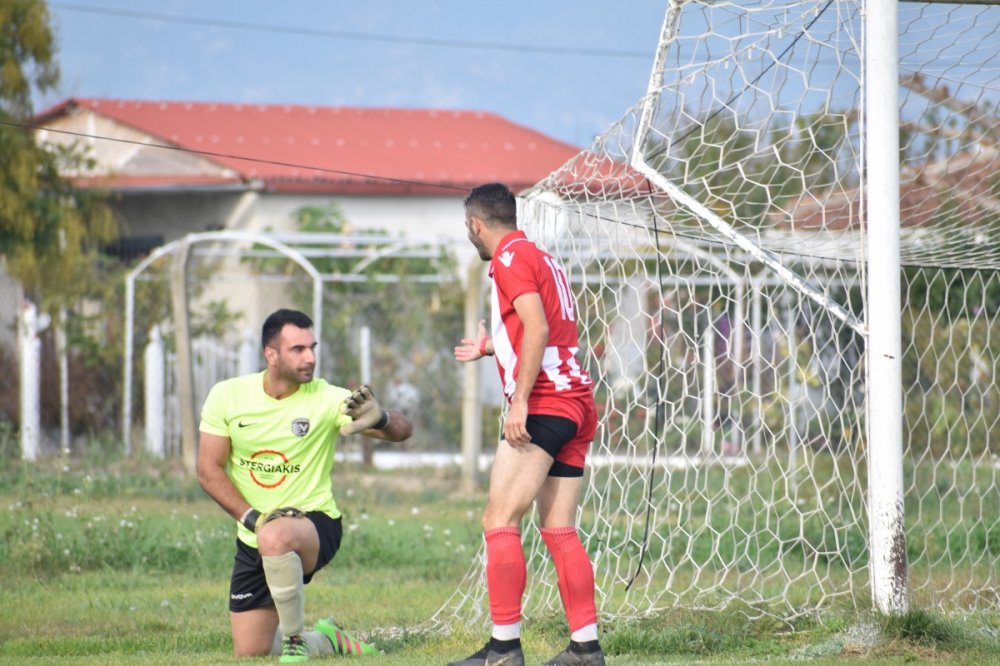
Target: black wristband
{"x":382,"y":422}
{"x":250,"y":519}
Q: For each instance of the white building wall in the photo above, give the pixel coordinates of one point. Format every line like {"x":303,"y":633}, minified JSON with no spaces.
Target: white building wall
{"x":408,"y":216}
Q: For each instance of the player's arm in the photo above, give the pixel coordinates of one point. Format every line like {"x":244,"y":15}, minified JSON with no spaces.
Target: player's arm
{"x":473,"y":349}
{"x":533,"y":342}
{"x":213,"y":454}
{"x":397,"y":429}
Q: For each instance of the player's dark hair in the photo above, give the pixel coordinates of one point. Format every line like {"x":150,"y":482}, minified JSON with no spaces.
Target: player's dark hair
{"x":494,"y":204}
{"x":277,"y":320}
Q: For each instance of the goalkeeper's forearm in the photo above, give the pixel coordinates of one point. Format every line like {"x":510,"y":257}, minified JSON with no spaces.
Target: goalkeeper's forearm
{"x":217,"y":484}
{"x":397,"y":429}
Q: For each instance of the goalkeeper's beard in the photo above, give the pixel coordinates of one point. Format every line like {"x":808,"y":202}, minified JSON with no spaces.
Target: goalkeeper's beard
{"x":301,"y":375}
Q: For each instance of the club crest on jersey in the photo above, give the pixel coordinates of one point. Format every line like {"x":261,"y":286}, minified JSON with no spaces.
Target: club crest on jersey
{"x":300,"y":427}
{"x":507,"y":258}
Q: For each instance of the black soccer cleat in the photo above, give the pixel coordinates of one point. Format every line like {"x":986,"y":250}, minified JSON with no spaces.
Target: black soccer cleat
{"x":492,"y":657}
{"x":579,"y":654}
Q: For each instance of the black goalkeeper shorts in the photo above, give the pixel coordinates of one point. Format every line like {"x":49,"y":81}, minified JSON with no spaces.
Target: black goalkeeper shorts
{"x":551,"y":433}
{"x":248,"y":587}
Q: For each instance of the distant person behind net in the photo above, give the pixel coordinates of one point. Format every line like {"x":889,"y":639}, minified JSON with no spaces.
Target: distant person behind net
{"x":548,"y":428}
{"x":265,"y":456}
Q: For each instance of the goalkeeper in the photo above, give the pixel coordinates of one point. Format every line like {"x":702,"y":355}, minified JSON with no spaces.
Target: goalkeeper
{"x":265,"y":455}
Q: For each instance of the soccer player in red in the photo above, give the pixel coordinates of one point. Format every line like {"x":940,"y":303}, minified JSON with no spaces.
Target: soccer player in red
{"x":549,"y":426}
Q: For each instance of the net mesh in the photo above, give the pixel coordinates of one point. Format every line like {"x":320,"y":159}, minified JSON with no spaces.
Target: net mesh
{"x":715,"y":236}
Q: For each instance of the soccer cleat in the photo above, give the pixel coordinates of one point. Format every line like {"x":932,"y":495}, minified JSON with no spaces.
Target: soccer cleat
{"x":488,"y":657}
{"x":293,"y":650}
{"x":343,"y":643}
{"x":571,"y":657}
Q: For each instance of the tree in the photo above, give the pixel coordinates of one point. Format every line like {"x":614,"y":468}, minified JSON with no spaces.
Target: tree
{"x":745,"y":173}
{"x":49,"y":230}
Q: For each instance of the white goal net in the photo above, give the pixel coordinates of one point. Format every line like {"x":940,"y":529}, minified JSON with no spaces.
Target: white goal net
{"x":716,"y":237}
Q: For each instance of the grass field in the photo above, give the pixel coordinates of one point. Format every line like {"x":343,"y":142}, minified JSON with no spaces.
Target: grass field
{"x":128,"y":562}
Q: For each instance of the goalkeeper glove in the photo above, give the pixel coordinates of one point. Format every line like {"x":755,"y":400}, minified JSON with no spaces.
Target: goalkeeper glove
{"x":365,"y":410}
{"x":253,"y":519}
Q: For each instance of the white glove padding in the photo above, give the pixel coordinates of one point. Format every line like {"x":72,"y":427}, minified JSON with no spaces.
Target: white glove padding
{"x":365,"y":410}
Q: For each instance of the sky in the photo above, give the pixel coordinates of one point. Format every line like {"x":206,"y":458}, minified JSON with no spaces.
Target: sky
{"x":566,"y":68}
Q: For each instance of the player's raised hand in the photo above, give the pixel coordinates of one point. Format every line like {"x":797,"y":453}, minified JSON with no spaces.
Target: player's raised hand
{"x":365,"y":410}
{"x":473,"y":349}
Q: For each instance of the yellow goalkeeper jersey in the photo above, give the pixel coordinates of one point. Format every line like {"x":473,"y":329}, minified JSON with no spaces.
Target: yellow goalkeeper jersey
{"x":282,"y":450}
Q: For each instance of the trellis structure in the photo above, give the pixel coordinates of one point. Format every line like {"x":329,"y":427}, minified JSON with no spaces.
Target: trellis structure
{"x":230,"y":251}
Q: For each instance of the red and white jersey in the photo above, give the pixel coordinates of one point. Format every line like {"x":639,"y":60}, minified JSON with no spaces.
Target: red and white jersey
{"x":520,"y":267}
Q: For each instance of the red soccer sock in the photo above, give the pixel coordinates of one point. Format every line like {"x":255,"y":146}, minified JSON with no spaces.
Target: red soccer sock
{"x":506,"y":574}
{"x":576,"y":576}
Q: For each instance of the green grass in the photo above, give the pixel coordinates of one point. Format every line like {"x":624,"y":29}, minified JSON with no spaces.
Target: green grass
{"x":128,"y":562}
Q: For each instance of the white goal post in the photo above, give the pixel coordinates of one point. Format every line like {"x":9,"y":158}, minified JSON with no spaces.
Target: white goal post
{"x":786,"y":262}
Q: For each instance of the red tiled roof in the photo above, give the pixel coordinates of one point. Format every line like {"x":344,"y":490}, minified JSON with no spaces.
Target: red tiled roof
{"x":349,"y":149}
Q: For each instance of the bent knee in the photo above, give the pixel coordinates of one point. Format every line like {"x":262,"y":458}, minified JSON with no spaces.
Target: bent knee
{"x":256,"y":641}
{"x":274,"y":540}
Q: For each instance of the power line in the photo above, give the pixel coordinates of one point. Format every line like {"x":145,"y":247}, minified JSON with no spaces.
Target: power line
{"x":357,"y":36}
{"x":257,"y":160}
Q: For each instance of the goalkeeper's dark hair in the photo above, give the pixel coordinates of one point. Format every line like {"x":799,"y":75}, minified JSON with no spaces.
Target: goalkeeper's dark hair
{"x":277,"y":320}
{"x":494,"y":204}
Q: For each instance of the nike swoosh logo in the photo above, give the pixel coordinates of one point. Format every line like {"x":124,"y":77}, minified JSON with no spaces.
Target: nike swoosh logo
{"x":243,"y":425}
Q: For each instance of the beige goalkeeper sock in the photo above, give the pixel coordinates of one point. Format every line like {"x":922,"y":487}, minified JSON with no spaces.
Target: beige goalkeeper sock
{"x":284,"y":579}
